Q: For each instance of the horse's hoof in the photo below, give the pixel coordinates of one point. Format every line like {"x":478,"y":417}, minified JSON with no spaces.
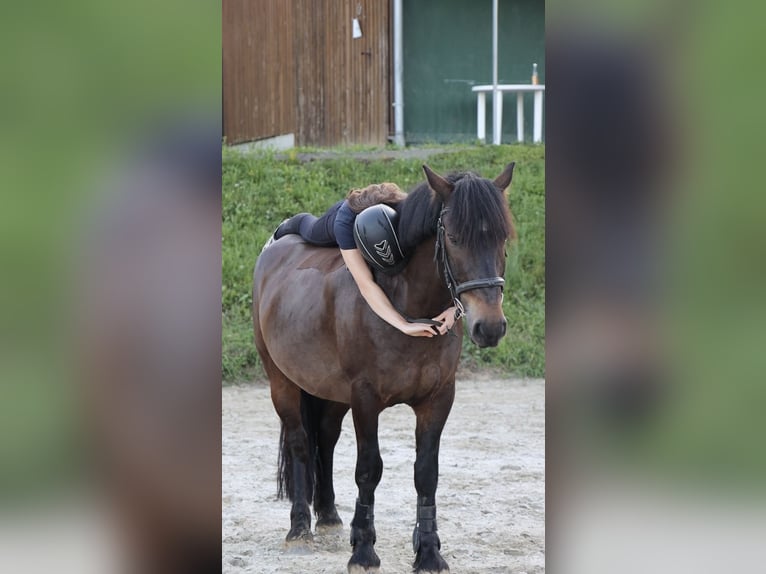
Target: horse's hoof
{"x":329,"y":524}
{"x":322,"y":529}
{"x":364,"y":560}
{"x":357,"y":569}
{"x":438,"y":570}
{"x":431,"y":563}
{"x":299,"y":535}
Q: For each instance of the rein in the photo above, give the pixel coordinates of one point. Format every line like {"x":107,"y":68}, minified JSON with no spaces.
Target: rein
{"x":453,"y":286}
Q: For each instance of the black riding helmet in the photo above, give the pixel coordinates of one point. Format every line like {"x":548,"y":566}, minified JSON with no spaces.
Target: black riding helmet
{"x":375,"y":237}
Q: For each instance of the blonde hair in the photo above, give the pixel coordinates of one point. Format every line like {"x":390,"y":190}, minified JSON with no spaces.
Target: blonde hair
{"x":361,"y":199}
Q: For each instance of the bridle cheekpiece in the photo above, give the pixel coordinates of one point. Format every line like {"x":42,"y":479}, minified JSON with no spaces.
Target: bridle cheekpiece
{"x":453,"y":286}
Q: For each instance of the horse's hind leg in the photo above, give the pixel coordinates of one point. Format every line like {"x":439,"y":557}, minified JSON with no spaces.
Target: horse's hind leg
{"x":296,"y":465}
{"x":324,"y":495}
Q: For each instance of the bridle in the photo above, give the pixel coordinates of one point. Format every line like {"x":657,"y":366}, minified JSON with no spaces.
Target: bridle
{"x":453,"y":286}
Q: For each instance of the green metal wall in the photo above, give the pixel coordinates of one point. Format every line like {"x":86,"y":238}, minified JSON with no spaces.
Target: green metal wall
{"x":448,"y":49}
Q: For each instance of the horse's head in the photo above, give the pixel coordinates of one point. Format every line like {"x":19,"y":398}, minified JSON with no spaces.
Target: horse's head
{"x":473,"y":230}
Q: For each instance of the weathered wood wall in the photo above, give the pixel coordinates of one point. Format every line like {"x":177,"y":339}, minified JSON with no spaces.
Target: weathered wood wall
{"x":292,"y":66}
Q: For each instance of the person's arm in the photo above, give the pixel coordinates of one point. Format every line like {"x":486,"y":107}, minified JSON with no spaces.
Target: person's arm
{"x":377,"y":299}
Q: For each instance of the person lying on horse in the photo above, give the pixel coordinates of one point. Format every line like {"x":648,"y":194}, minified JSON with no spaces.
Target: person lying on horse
{"x":363,"y":226}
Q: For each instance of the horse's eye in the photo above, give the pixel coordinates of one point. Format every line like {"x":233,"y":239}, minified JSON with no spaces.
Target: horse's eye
{"x":453,"y":239}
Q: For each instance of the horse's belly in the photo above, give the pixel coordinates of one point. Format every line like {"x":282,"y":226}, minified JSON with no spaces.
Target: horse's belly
{"x":330,"y":387}
{"x":312,"y":368}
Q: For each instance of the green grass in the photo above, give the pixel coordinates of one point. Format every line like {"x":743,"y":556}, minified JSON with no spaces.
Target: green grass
{"x":259,"y":191}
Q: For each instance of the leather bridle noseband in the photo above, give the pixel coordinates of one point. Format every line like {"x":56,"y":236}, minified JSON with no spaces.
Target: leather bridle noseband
{"x":453,"y":286}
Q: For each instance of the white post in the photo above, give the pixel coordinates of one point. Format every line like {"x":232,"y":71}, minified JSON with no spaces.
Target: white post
{"x":498,"y":126}
{"x":496,"y":95}
{"x":481,"y":117}
{"x":520,"y":116}
{"x":538,"y":127}
{"x":398,"y":75}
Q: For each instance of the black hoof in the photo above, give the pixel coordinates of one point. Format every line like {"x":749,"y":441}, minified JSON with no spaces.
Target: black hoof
{"x":300,"y":533}
{"x":300,"y":524}
{"x":356,"y":569}
{"x":328,"y":520}
{"x":431,"y":565}
{"x":329,"y":525}
{"x":428,"y":560}
{"x":363,"y":560}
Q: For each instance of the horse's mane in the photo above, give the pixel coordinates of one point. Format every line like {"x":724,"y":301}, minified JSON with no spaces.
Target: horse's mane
{"x":418,"y":215}
{"x":478,"y":214}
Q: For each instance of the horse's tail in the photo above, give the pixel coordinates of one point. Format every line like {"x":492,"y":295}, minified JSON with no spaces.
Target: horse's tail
{"x":311,"y":417}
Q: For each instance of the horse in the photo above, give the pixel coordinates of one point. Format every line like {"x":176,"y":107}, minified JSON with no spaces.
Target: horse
{"x":325,"y":351}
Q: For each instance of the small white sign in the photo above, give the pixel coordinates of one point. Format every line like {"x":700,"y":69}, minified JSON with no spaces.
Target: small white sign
{"x":357,"y":33}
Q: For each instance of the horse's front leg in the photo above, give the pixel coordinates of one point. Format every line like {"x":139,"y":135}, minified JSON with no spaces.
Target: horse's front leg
{"x":369,"y":469}
{"x":431,"y":416}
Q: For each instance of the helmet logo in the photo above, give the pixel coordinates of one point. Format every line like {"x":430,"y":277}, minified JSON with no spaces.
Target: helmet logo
{"x":384,"y":250}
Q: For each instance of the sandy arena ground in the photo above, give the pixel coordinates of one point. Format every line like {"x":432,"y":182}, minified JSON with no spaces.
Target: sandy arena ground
{"x":490,"y":500}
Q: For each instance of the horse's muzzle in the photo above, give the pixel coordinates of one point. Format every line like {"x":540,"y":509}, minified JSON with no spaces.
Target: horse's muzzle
{"x":488,"y":333}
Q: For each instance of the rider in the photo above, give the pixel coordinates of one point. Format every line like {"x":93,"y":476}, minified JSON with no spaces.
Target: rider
{"x":336,"y":228}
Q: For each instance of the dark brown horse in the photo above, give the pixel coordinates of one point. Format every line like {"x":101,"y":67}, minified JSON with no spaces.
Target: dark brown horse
{"x":325,"y":351}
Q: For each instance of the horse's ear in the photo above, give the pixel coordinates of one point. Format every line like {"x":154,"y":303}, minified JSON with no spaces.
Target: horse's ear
{"x":438,"y":183}
{"x":503,"y":180}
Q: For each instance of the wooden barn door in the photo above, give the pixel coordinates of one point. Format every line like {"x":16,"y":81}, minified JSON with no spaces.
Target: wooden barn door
{"x":343,"y":82}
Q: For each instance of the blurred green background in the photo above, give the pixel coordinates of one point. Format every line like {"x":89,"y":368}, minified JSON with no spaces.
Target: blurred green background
{"x":261,"y":190}
{"x":709,"y":307}
{"x":85,"y":84}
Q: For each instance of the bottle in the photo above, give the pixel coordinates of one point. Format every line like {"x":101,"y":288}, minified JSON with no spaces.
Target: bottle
{"x":534,"y":74}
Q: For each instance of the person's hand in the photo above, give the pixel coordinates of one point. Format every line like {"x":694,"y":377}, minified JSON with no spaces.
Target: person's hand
{"x":447,"y":320}
{"x":419,"y":329}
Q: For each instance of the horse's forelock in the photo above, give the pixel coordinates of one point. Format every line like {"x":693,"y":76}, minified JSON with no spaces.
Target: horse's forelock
{"x":478,"y":213}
